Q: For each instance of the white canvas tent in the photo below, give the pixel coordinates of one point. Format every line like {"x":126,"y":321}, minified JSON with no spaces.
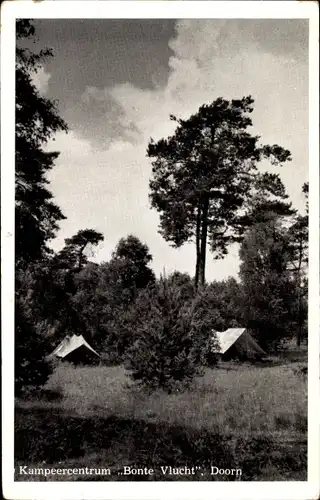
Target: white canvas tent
{"x":238,"y":343}
{"x":75,"y":349}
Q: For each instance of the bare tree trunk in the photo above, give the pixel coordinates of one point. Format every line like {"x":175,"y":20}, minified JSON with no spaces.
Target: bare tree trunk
{"x":299,"y":317}
{"x":196,"y":279}
{"x":299,"y":331}
{"x":203,"y":249}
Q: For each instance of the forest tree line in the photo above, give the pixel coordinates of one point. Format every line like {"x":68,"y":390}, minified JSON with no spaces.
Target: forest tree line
{"x":208,"y":189}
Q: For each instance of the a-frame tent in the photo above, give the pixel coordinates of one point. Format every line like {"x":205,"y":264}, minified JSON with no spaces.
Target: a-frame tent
{"x":75,"y":350}
{"x":238,"y":343}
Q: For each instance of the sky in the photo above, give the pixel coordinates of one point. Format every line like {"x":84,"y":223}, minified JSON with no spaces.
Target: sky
{"x":117,"y":81}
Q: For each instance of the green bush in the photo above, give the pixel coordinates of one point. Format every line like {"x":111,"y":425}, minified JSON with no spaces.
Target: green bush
{"x":172,"y":338}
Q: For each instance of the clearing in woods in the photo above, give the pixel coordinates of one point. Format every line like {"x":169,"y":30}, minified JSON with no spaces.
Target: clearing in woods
{"x":237,"y":415}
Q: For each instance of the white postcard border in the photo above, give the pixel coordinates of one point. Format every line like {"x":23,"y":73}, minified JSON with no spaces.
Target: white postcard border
{"x":153,"y":9}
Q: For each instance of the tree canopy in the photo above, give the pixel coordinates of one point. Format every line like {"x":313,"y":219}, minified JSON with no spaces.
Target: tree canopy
{"x":272,"y":255}
{"x":37,"y":120}
{"x":73,"y":255}
{"x":205,"y":178}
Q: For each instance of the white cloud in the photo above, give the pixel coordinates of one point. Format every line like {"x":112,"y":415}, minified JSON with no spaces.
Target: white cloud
{"x":92,"y":93}
{"x":41,"y":79}
{"x":108,"y":189}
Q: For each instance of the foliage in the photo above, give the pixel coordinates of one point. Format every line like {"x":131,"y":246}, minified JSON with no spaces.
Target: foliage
{"x":172,"y":339}
{"x":269,"y":292}
{"x":73,"y":255}
{"x":298,"y":237}
{"x":36,"y":215}
{"x":129,"y":265}
{"x":37,"y":119}
{"x":104,"y":294}
{"x":274,"y":257}
{"x":183,"y":282}
{"x":224,"y":301}
{"x":31,"y":368}
{"x":206,"y":175}
{"x":47,"y":288}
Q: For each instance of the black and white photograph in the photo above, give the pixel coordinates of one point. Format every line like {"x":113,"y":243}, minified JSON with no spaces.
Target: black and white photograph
{"x":164,"y":184}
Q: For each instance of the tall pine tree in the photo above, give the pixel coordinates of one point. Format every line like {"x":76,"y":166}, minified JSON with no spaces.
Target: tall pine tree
{"x":36,"y":215}
{"x":205,"y":175}
{"x":37,"y":120}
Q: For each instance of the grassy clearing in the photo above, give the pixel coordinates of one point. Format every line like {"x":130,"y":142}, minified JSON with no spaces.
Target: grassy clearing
{"x":238,"y":398}
{"x":236,"y":415}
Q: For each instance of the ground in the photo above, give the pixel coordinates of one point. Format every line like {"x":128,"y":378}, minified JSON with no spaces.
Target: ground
{"x":235,"y":416}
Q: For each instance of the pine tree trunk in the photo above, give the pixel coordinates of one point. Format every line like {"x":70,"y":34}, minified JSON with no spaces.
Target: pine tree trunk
{"x":299,"y":295}
{"x":203,"y":249}
{"x":80,"y":257}
{"x":198,"y":231}
{"x":299,"y":313}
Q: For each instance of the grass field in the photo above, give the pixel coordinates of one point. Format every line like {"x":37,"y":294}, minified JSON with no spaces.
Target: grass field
{"x":236,"y":415}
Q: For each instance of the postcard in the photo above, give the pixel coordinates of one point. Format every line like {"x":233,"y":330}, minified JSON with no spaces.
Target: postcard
{"x":160,"y":243}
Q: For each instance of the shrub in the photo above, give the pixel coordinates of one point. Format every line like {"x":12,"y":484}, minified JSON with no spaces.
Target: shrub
{"x":171,"y":338}
{"x":31,"y":368}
